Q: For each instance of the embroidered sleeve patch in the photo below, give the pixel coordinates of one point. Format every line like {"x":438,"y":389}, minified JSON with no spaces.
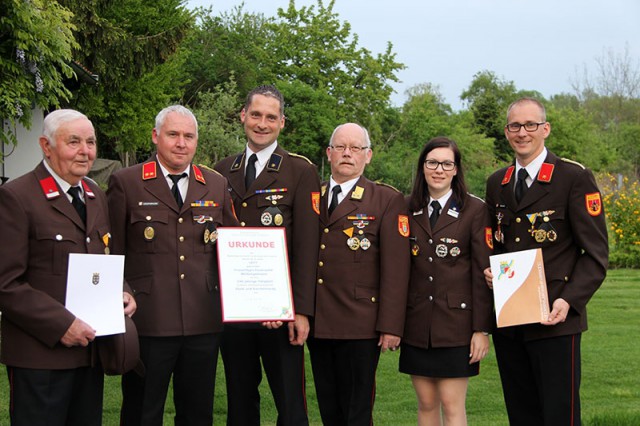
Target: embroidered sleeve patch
{"x":488,"y":237}
{"x":594,"y":203}
{"x":403,"y":225}
{"x":315,"y":202}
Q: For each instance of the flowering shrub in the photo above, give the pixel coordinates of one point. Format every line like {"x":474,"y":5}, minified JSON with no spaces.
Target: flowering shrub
{"x":621,"y":198}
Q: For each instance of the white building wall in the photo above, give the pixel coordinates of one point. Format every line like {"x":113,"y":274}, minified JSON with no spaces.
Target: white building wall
{"x":22,"y":158}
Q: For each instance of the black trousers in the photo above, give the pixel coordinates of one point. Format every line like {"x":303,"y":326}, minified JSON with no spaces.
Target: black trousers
{"x":192,"y":361}
{"x":242,"y":349}
{"x":540,"y":379}
{"x":70,"y":397}
{"x":344,"y":372}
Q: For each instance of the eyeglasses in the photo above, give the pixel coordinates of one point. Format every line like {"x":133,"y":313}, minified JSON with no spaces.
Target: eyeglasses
{"x":529,"y":127}
{"x":353,"y":149}
{"x":447,"y":166}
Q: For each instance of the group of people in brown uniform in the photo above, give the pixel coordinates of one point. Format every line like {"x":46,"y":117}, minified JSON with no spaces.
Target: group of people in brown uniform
{"x":371,"y":270}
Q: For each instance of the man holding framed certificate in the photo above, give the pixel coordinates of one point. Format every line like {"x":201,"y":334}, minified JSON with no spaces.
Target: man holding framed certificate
{"x":272,"y":188}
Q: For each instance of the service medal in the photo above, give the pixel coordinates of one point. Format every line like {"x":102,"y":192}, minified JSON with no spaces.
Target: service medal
{"x":206,"y":236}
{"x":149,"y":233}
{"x":106,"y":250}
{"x":415,"y":249}
{"x":455,"y":251}
{"x":353,"y":243}
{"x":365,"y":243}
{"x":552,"y":235}
{"x":441,"y":250}
{"x":266,"y":218}
{"x":540,"y":235}
{"x":277,"y":219}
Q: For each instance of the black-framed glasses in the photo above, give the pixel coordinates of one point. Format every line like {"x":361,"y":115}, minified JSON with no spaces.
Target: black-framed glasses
{"x":529,"y":127}
{"x":447,"y":166}
{"x":353,"y":149}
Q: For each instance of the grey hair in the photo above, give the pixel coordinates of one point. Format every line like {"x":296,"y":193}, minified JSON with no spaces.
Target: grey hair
{"x":178,"y":109}
{"x":55,"y":119}
{"x":364,"y":131}
{"x":525,"y":100}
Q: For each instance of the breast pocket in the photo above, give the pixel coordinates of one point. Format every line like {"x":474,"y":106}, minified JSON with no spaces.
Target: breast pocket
{"x":275,"y":209}
{"x":206,"y":221}
{"x":56,"y":241}
{"x":147,"y":230}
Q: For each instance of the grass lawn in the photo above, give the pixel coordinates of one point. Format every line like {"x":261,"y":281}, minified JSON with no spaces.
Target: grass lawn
{"x":610,"y":374}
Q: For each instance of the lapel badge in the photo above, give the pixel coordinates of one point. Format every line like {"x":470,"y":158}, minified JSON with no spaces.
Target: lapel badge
{"x":357,"y":193}
{"x":545,"y":173}
{"x":49,"y":188}
{"x":88,"y":190}
{"x":197,"y":173}
{"x":507,"y":175}
{"x":149,"y":170}
{"x":453,"y":213}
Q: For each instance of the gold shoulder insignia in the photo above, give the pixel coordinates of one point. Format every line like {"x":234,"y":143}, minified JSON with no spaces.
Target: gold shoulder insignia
{"x":566,"y":160}
{"x":387,"y":185}
{"x":475,"y":196}
{"x":203,"y":166}
{"x":300,"y":156}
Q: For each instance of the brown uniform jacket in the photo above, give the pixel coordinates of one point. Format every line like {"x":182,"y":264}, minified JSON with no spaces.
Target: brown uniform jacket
{"x":362,"y":292}
{"x":292,"y":203}
{"x":172,"y":271}
{"x":448,"y":296}
{"x":39,"y":228}
{"x":576,"y":254}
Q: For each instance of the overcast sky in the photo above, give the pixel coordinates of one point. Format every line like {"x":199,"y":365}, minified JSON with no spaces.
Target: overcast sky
{"x":539,"y":45}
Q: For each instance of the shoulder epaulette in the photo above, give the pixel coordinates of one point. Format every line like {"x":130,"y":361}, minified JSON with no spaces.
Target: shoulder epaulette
{"x":387,"y":185}
{"x":204,"y":166}
{"x":300,"y":156}
{"x":475,"y":196}
{"x":566,"y":160}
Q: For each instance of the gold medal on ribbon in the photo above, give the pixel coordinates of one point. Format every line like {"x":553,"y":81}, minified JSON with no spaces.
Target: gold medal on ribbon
{"x":149,"y":233}
{"x":540,"y":235}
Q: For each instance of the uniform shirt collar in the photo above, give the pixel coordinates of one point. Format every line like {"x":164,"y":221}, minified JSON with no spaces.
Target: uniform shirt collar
{"x":63,"y":184}
{"x":345,"y":186}
{"x":442,"y":200}
{"x":533,"y":167}
{"x":263,"y":156}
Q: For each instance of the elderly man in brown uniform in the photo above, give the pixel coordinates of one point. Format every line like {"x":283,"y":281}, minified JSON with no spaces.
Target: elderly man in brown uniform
{"x":272,"y":187}
{"x":542,"y":201}
{"x":362,"y":281}
{"x":44,"y":216}
{"x":164,"y":215}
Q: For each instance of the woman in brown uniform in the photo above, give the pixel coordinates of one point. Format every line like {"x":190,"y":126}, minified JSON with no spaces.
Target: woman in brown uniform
{"x":449,"y":309}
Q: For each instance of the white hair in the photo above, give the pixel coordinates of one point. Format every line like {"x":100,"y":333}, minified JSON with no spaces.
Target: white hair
{"x":55,"y":119}
{"x":178,"y":109}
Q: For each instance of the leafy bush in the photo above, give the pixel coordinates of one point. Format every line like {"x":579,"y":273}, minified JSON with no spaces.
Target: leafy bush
{"x":622,"y":207}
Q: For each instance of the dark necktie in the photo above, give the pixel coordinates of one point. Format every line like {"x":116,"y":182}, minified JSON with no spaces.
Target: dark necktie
{"x":435,"y":214}
{"x":334,"y":198}
{"x":250,"y":173}
{"x":77,"y":202}
{"x":175,"y":190}
{"x":521,"y":184}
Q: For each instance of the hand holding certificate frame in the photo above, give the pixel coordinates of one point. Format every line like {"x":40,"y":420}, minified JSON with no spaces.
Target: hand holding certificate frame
{"x":519,"y":288}
{"x":255,"y":285}
{"x":94,"y":291}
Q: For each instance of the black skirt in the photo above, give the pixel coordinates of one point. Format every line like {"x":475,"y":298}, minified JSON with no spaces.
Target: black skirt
{"x":437,"y":362}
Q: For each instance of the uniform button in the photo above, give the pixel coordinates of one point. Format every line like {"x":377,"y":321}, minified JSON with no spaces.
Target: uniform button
{"x":326,"y":230}
{"x":88,"y":240}
{"x":430,"y":259}
{"x":244,"y":204}
{"x":463,"y":305}
{"x":148,"y":217}
{"x":274,"y":202}
{"x":546,"y":219}
{"x":322,"y":246}
{"x":430,"y":298}
{"x":430,"y":278}
{"x":360,"y":232}
{"x":182,"y":276}
{"x":373,"y":299}
{"x":181,"y":239}
{"x":320,"y":281}
{"x":182,"y":258}
{"x":321,"y":263}
{"x":430,"y":241}
{"x":243,"y":224}
{"x":566,"y":279}
{"x":58,"y":237}
{"x":517,"y":239}
{"x":518,"y":220}
{"x":180,"y":220}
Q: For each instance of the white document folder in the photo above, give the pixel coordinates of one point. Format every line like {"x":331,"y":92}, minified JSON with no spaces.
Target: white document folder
{"x":94,"y":291}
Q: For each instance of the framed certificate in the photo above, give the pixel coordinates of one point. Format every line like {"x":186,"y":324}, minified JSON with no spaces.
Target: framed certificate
{"x":94,"y":291}
{"x":255,"y":284}
{"x":519,"y":288}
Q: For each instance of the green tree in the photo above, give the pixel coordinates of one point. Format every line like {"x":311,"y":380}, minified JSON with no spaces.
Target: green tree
{"x":36,"y":43}
{"x":132,"y":45}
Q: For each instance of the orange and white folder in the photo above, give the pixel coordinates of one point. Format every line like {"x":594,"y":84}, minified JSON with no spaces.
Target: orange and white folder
{"x":519,"y":288}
